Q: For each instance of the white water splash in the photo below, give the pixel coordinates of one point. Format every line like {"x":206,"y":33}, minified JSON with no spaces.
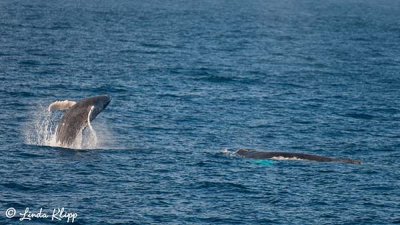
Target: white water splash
{"x":91,"y":134}
{"x":228,"y":153}
{"x":43,"y":128}
{"x":286,"y":158}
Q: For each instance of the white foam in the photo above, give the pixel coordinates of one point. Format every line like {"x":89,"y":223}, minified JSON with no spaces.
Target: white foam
{"x":228,"y":153}
{"x":285,"y":158}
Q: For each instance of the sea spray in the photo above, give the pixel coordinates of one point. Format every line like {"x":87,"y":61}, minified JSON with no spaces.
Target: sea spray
{"x":42,"y":128}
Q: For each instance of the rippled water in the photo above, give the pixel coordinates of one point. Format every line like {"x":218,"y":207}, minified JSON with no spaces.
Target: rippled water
{"x":189,"y":79}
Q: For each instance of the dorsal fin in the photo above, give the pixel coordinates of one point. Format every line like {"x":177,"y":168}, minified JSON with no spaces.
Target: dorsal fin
{"x":61,"y":105}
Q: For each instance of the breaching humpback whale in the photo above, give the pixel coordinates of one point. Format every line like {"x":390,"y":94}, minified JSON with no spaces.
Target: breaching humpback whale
{"x":253,"y":154}
{"x":77,"y":117}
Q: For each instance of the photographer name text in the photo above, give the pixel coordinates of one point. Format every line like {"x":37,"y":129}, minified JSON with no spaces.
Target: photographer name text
{"x":57,"y":214}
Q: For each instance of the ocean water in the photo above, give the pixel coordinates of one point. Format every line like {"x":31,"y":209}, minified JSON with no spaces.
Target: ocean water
{"x":191,"y":82}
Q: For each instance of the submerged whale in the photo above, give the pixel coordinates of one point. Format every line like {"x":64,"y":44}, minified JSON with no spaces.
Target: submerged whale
{"x":77,"y":117}
{"x":253,"y":154}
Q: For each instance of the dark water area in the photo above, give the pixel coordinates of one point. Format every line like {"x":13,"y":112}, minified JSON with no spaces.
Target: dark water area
{"x":189,"y":79}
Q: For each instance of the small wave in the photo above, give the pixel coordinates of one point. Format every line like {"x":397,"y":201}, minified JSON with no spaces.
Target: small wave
{"x":213,"y":78}
{"x":359,"y":116}
{"x":29,"y":63}
{"x":222,"y":185}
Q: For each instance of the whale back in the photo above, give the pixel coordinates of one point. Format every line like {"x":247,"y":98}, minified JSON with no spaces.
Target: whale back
{"x":252,"y":154}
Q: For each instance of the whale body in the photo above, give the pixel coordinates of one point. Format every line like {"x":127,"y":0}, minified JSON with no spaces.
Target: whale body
{"x":77,"y":117}
{"x":253,"y":154}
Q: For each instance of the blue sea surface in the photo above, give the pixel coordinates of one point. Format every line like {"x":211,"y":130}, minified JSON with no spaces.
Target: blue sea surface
{"x":191,"y":81}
